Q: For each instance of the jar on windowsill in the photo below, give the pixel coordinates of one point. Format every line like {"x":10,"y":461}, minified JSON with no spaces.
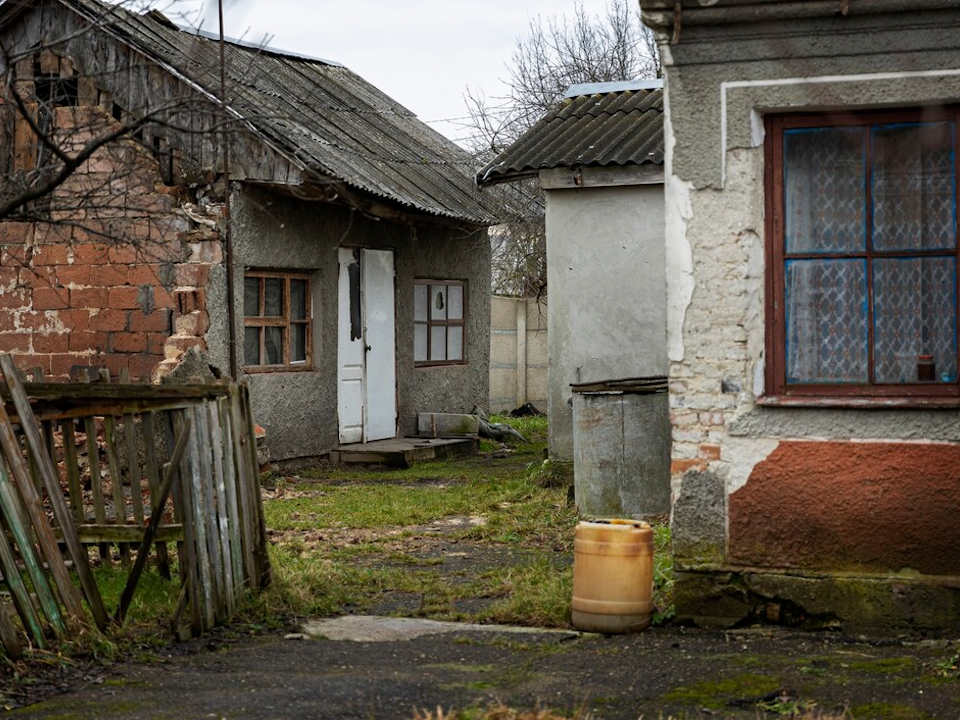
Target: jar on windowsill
{"x":926,"y":369}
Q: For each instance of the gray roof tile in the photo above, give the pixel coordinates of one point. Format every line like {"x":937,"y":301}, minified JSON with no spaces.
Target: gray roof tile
{"x":621,"y":127}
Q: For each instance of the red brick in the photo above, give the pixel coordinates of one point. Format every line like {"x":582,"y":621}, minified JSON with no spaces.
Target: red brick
{"x":62,"y":363}
{"x":682,"y":465}
{"x":114,"y":363}
{"x":50,"y":343}
{"x":123,"y":297}
{"x":162,"y":298}
{"x":14,"y":342}
{"x":7,"y":320}
{"x":128,"y":342}
{"x":109,"y":320}
{"x":52,"y":234}
{"x":74,"y":275}
{"x":43,"y":276}
{"x":8,"y":275}
{"x":14,"y":255}
{"x":33,"y":320}
{"x":193,"y":275}
{"x":49,"y":298}
{"x":16,"y":233}
{"x":51,"y":255}
{"x":108,"y":275}
{"x":156,"y":321}
{"x":188,"y":301}
{"x":90,"y":253}
{"x":89,"y":298}
{"x":156,"y":341}
{"x":709,"y":452}
{"x":126,"y":254}
{"x":146,"y":274}
{"x":81,"y":341}
{"x":15,"y":299}
{"x":142,"y":366}
{"x":75,"y":319}
{"x":30,"y":362}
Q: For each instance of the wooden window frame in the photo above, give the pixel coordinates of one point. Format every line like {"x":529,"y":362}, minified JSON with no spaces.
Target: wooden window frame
{"x":776,"y":389}
{"x":283,"y":321}
{"x":430,"y":323}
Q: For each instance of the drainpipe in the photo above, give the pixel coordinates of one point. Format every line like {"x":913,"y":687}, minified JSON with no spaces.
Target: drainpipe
{"x":228,"y":224}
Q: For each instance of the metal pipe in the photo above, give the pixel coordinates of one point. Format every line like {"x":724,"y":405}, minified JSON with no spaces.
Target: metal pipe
{"x":228,"y":224}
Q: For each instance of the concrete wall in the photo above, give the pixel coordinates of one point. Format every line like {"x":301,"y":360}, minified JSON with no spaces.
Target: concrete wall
{"x":299,"y":409}
{"x":518,"y":353}
{"x":606,"y":311}
{"x":799,"y":515}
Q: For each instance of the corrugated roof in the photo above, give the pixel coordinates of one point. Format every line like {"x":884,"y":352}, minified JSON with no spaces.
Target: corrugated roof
{"x":617,"y":127}
{"x":323,"y":114}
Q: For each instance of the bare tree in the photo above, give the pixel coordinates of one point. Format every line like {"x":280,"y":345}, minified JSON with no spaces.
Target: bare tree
{"x":557,"y":52}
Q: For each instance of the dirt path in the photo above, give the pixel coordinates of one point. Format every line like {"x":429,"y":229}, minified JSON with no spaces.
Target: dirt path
{"x":661,"y":672}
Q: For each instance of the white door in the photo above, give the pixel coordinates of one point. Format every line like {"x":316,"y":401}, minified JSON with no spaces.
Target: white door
{"x":367,"y":382}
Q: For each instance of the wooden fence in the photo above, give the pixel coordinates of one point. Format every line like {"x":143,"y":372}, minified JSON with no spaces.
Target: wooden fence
{"x":116,"y":472}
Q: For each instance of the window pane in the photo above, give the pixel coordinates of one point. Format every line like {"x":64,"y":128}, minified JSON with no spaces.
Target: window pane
{"x":455,"y":308}
{"x":273,"y":345}
{"x":455,"y":343}
{"x":251,"y":346}
{"x":420,"y":342}
{"x":826,"y":313}
{"x":298,"y":300}
{"x":825,"y":189}
{"x":273,"y":297}
{"x":251,"y":296}
{"x":298,"y":342}
{"x":913,"y":186}
{"x":438,"y":302}
{"x":915,"y":302}
{"x":421,"y":299}
{"x":438,"y":343}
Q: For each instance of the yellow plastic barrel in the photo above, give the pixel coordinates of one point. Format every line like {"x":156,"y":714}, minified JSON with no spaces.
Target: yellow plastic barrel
{"x":612,"y":575}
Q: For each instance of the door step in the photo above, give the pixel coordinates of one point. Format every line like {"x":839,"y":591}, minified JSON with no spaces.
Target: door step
{"x":403,"y":452}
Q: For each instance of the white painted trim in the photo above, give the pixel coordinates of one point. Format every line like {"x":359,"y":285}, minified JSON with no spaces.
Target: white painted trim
{"x":815,"y":80}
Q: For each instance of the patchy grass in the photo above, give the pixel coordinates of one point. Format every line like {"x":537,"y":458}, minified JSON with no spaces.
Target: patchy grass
{"x":479,"y":539}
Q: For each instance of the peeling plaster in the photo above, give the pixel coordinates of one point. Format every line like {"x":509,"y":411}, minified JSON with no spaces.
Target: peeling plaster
{"x":743,"y":455}
{"x":679,"y":256}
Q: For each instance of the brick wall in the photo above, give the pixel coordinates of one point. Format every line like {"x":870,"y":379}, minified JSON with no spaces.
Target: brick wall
{"x":117,"y":277}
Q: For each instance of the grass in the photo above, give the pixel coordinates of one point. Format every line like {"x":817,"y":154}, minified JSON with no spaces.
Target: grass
{"x":357,"y":540}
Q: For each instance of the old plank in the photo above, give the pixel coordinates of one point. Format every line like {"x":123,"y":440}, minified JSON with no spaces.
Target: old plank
{"x":155,"y":517}
{"x":153,"y":480}
{"x":61,"y":512}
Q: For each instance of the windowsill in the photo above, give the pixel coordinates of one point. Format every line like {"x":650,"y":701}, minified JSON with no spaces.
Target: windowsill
{"x":438,"y":364}
{"x":259,"y":369}
{"x":865,"y":403}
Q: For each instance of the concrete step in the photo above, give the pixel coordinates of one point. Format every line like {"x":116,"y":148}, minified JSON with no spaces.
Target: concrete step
{"x":403,"y":452}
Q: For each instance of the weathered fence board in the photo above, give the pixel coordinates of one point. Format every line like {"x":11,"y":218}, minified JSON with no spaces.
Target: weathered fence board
{"x":102,"y":466}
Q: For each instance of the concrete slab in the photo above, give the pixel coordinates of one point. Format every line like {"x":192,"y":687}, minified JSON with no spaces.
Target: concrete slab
{"x":373,"y":628}
{"x":401,"y":452}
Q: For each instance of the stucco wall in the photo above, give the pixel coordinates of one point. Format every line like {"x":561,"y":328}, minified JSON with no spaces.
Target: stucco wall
{"x":736,"y":463}
{"x":298,"y":409}
{"x":606,"y":310}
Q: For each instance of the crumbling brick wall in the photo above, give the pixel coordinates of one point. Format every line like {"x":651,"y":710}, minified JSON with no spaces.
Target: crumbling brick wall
{"x":115,"y":275}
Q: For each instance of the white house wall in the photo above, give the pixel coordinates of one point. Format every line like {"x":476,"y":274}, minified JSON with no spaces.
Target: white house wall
{"x":606,"y":305}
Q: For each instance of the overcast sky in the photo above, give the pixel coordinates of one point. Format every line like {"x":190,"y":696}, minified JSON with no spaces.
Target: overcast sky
{"x":423,"y":53}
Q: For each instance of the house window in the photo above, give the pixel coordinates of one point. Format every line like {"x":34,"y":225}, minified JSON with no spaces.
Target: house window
{"x":862,"y":226}
{"x":276,"y":321}
{"x":439,"y":308}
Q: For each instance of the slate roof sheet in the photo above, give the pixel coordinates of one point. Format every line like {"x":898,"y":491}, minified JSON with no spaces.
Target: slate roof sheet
{"x":619,"y":127}
{"x":325,"y":115}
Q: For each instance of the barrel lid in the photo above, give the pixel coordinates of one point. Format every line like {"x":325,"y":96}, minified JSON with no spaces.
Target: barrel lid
{"x":656,"y":384}
{"x":625,"y":522}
